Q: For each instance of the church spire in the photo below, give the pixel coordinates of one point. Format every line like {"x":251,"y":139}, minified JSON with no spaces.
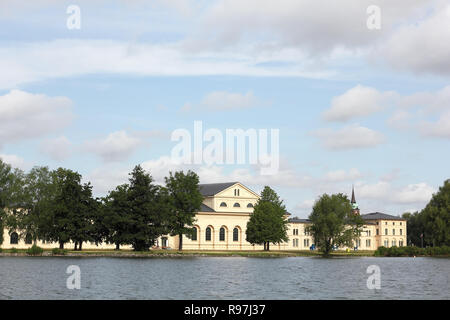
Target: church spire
{"x":355,"y":208}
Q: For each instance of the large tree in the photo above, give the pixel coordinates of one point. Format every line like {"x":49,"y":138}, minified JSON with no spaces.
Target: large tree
{"x":268,"y":223}
{"x":333,"y":223}
{"x":116,"y":212}
{"x":11,"y":181}
{"x":146,"y":220}
{"x":69,"y":216}
{"x":436,"y":217}
{"x":37,"y":193}
{"x":431,"y":226}
{"x":186,"y":199}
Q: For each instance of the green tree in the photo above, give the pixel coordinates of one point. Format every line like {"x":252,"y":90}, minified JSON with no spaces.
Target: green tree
{"x":35,"y":200}
{"x":145,"y":221}
{"x":116,"y":216}
{"x":436,"y":217}
{"x":268,"y":223}
{"x":333,"y":223}
{"x":11,"y":181}
{"x":186,"y":200}
{"x":65,"y":219}
{"x":415,"y":228}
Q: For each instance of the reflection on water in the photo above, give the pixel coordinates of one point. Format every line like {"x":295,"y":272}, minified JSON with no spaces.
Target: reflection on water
{"x":224,"y":278}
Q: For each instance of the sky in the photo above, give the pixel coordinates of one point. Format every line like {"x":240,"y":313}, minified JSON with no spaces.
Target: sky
{"x":102,"y":88}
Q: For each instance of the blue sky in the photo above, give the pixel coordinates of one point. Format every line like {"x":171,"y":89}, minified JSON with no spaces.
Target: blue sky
{"x":353,"y":105}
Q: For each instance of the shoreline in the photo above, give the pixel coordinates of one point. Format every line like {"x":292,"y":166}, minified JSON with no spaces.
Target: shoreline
{"x":182,"y":254}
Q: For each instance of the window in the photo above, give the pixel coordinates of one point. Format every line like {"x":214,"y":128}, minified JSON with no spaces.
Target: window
{"x":236,"y":192}
{"x":237,"y":205}
{"x":393,"y":243}
{"x":295,"y":242}
{"x":235,"y":234}
{"x":222,"y":234}
{"x":393,"y":223}
{"x":194,"y":234}
{"x":208,"y":234}
{"x":223,"y":204}
{"x":28,"y":239}
{"x":393,"y":232}
{"x":368,"y":243}
{"x":250,"y":205}
{"x":385,"y":232}
{"x":400,"y":223}
{"x":386,"y":243}
{"x":306,"y":243}
{"x":378,"y":232}
{"x":401,"y":232}
{"x":295,"y":232}
{"x":400,"y":243}
{"x":14,"y":239}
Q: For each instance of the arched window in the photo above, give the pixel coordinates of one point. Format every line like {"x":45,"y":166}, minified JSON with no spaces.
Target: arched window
{"x":235,"y":234}
{"x":222,"y":234}
{"x":14,"y":239}
{"x":194,"y":234}
{"x":208,"y":234}
{"x":28,"y":239}
{"x":237,"y":205}
{"x":223,"y":204}
{"x":250,"y":205}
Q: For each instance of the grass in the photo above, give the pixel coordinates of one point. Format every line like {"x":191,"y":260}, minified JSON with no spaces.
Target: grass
{"x":193,"y":253}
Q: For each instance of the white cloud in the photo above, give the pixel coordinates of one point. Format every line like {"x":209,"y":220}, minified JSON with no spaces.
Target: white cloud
{"x":26,"y":115}
{"x":107,"y":178}
{"x":58,"y":148}
{"x":440,"y":128}
{"x":357,"y":102}
{"x":117,"y":146}
{"x":418,"y":193}
{"x":222,"y":100}
{"x":421,"y":46}
{"x":350,"y":137}
{"x":414,"y":193}
{"x":14,"y":160}
{"x":24,"y":63}
{"x":342,"y":175}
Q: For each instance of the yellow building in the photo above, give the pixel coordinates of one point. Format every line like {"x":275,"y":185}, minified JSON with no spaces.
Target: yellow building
{"x":222,"y":221}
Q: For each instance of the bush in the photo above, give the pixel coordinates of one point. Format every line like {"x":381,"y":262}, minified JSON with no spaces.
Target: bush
{"x":35,"y":251}
{"x":411,"y":251}
{"x":59,"y":252}
{"x":1,"y":250}
{"x":14,"y":250}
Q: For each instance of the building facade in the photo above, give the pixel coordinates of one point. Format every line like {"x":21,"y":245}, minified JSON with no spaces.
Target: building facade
{"x":221,"y":225}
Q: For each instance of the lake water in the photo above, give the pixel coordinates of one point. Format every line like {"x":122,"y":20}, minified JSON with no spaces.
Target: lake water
{"x":224,"y":278}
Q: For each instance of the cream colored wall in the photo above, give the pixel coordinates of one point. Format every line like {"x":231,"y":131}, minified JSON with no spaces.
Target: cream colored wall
{"x":245,"y":197}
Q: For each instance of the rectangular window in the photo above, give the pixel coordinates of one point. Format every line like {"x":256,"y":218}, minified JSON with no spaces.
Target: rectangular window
{"x":401,"y":232}
{"x":378,"y":232}
{"x":393,"y":232}
{"x":385,"y":232}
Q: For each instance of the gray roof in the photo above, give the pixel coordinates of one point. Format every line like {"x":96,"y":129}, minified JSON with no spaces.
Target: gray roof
{"x":297,"y":220}
{"x":380,"y":216}
{"x":205,"y":208}
{"x":210,"y":189}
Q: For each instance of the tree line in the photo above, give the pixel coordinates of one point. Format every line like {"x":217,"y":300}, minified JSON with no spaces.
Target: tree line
{"x":55,"y":206}
{"x":431,"y":225}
